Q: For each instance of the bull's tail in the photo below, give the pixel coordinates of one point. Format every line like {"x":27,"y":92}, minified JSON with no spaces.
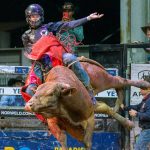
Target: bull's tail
{"x":84,"y":59}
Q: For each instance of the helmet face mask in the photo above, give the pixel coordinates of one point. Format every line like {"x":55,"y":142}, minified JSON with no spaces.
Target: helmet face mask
{"x":34,"y":20}
{"x":34,"y":15}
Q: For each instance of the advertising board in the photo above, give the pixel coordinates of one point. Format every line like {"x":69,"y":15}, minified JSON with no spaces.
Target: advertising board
{"x":138,"y":72}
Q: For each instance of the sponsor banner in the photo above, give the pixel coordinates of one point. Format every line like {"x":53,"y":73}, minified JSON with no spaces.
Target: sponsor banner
{"x":112,"y":71}
{"x":14,"y":69}
{"x":100,"y":115}
{"x":138,"y":71}
{"x":23,"y":70}
{"x":10,"y":91}
{"x":108,"y":93}
{"x":41,"y":140}
{"x":14,"y":112}
{"x":111,"y":93}
{"x":16,"y":91}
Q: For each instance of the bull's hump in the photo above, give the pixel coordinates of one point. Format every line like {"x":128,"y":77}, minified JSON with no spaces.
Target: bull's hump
{"x":61,"y":70}
{"x":61,"y":73}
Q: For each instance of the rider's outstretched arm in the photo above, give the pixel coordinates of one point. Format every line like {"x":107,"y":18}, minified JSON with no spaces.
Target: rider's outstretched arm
{"x":78,"y":22}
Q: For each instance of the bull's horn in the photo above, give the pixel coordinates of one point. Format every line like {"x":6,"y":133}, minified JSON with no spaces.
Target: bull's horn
{"x":64,"y":85}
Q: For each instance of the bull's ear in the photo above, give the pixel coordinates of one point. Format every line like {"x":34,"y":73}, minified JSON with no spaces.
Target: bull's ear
{"x":68,"y":91}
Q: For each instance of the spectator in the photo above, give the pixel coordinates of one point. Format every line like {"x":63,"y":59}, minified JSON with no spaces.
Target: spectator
{"x":142,"y":111}
{"x":13,"y":100}
{"x":72,"y":37}
{"x":146,"y":30}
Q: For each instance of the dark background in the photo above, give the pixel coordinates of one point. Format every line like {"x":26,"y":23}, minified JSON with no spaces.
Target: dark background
{"x":104,"y":30}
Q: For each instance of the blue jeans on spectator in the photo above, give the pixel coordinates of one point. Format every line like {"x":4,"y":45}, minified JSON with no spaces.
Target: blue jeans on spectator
{"x":143,"y":141}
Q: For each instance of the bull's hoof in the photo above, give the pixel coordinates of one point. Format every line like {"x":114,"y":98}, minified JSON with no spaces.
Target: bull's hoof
{"x":88,"y":147}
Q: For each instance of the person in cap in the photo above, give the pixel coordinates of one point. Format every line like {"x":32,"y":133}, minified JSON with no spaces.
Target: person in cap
{"x":146,"y":30}
{"x":16,"y":82}
{"x":75,"y":36}
{"x":40,"y":46}
{"x":142,"y":111}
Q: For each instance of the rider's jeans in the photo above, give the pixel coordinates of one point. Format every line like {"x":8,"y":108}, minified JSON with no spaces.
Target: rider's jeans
{"x":143,"y":141}
{"x":76,"y":67}
{"x":37,"y":73}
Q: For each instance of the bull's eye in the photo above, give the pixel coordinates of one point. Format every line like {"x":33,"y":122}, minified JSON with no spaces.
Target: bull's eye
{"x":51,"y":94}
{"x":36,"y":97}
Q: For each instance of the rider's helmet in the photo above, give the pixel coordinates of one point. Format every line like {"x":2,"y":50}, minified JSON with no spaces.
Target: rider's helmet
{"x":33,"y":10}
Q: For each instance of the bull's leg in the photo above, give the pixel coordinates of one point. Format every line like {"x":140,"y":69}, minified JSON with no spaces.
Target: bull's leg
{"x":119,"y":100}
{"x":140,"y":84}
{"x":89,"y":128}
{"x":57,"y":132}
{"x":102,"y":107}
{"x":125,"y":83}
{"x":120,"y":82}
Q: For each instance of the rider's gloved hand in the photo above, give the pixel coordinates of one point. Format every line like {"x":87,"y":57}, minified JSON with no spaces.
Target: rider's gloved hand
{"x":94,"y":16}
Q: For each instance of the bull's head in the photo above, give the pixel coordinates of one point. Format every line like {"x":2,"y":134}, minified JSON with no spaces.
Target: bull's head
{"x":46,"y":98}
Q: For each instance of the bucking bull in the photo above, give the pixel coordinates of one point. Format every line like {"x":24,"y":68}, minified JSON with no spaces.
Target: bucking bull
{"x":67,"y":105}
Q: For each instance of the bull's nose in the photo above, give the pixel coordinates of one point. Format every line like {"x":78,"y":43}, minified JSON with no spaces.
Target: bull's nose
{"x":28,"y":107}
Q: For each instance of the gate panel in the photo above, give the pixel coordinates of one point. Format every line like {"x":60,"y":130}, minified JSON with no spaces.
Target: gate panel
{"x":110,"y":56}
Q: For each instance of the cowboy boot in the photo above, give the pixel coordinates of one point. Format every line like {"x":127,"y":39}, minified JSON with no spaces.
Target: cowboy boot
{"x":36,"y":78}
